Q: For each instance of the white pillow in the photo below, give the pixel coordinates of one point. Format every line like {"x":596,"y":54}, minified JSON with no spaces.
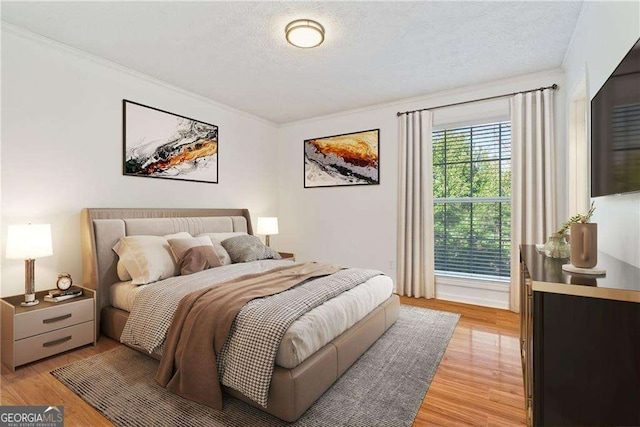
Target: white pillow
{"x":148,"y":258}
{"x":123,"y":274}
{"x":216,"y":238}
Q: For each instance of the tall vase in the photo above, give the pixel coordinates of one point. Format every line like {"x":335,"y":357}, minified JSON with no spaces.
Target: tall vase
{"x":584,"y":244}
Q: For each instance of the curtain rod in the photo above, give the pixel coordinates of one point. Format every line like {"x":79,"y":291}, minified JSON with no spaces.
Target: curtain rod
{"x":553,"y":87}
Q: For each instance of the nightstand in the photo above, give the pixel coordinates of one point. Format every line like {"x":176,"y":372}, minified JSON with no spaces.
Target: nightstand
{"x":288,"y":256}
{"x":46,"y":329}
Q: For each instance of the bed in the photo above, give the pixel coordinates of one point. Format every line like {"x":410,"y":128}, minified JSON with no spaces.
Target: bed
{"x":303,"y":372}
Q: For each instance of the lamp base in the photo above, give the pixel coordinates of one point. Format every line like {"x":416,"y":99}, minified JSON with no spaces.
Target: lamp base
{"x":29,"y":303}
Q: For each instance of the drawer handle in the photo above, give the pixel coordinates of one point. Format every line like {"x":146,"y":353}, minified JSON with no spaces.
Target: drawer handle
{"x":55,"y":342}
{"x":57,"y":319}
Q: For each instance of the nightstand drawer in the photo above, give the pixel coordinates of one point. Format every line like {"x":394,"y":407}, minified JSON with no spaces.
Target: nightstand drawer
{"x":45,"y":345}
{"x":46,"y":320}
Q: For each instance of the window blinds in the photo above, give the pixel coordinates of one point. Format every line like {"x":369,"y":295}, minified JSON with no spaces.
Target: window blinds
{"x":472,"y":188}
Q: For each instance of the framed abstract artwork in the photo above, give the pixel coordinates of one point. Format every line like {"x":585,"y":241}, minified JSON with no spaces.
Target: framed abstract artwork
{"x":342,"y":160}
{"x":160,"y":144}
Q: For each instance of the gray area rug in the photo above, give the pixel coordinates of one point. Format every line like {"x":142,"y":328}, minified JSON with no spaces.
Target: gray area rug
{"x":384,"y":387}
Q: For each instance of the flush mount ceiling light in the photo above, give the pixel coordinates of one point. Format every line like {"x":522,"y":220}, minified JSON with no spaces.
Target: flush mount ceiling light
{"x":304,"y":33}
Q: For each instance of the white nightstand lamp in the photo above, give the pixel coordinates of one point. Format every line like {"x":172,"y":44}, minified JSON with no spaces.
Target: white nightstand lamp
{"x":267,"y":225}
{"x":29,"y":241}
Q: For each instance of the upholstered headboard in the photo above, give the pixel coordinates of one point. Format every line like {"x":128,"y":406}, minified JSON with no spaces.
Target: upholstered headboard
{"x":102,"y":228}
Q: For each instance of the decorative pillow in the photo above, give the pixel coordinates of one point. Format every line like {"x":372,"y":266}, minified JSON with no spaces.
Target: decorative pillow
{"x":216,"y":238}
{"x":148,"y":258}
{"x":248,"y":248}
{"x":194,"y":254}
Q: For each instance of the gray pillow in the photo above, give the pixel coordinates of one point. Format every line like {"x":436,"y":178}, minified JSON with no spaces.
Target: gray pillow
{"x":248,"y":248}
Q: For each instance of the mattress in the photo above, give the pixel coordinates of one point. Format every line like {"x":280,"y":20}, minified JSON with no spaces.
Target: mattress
{"x":310,"y":332}
{"x":123,"y":294}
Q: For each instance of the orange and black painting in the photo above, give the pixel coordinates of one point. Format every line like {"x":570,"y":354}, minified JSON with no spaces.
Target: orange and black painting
{"x":159,"y":144}
{"x":340,"y":160}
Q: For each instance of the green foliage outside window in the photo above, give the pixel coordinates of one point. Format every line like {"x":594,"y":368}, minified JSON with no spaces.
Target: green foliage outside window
{"x":471,"y":165}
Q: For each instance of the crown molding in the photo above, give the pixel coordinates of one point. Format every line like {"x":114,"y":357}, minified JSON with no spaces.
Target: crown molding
{"x":38,"y":38}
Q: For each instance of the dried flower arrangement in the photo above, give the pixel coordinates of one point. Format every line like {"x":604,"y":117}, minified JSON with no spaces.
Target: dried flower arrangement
{"x":577,"y":218}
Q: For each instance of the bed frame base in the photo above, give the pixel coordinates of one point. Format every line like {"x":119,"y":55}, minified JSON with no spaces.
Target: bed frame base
{"x":293,"y":391}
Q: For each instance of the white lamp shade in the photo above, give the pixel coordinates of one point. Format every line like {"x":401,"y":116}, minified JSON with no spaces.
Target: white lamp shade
{"x":268,"y":225}
{"x":27,"y":241}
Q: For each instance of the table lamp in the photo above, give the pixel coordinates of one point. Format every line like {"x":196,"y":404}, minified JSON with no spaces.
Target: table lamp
{"x":29,"y":241}
{"x":267,"y":225}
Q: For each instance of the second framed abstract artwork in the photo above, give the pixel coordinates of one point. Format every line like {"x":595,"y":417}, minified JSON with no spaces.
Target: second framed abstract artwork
{"x":342,"y":160}
{"x":160,"y":144}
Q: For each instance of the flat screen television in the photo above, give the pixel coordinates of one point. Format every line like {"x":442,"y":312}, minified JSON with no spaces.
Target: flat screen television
{"x":615,"y":130}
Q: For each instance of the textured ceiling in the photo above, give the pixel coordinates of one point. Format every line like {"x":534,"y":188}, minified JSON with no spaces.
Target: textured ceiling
{"x":374,"y":52}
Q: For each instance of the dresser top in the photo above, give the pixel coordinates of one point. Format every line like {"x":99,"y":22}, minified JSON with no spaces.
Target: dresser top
{"x":621,"y":282}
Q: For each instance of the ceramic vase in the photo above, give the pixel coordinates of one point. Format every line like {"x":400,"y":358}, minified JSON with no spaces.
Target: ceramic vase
{"x":584,"y":244}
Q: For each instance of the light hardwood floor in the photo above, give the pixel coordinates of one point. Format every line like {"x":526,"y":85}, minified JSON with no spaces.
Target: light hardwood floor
{"x":478,"y":383}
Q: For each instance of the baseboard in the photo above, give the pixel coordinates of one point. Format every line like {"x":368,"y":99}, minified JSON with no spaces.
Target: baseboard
{"x":473,"y":296}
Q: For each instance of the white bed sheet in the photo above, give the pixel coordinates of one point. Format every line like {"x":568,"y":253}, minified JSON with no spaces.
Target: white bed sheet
{"x":310,"y":332}
{"x":319,"y":326}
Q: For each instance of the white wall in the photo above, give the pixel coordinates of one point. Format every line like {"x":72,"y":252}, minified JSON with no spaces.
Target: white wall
{"x":604,"y":34}
{"x":62,"y":149}
{"x":356,"y":226}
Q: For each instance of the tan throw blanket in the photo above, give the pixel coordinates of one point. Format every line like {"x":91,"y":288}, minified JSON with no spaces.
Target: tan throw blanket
{"x":202,"y":323}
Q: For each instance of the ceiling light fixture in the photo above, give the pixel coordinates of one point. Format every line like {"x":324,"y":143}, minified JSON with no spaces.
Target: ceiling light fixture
{"x":304,"y":33}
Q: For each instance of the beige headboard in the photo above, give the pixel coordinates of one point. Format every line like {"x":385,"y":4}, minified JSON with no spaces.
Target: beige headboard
{"x":101,"y":229}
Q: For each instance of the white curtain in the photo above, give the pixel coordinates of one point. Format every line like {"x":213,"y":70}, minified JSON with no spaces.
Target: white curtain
{"x":533,"y":192}
{"x":415,"y":206}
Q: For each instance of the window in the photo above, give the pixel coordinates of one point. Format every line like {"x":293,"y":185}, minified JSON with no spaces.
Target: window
{"x":472,"y":209}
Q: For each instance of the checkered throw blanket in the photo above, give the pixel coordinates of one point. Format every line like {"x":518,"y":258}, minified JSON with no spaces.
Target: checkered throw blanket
{"x":156,"y":303}
{"x":247,"y":359}
{"x":248,"y":356}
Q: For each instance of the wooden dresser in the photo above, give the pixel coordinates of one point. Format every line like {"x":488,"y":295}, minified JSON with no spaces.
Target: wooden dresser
{"x":580,"y":342}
